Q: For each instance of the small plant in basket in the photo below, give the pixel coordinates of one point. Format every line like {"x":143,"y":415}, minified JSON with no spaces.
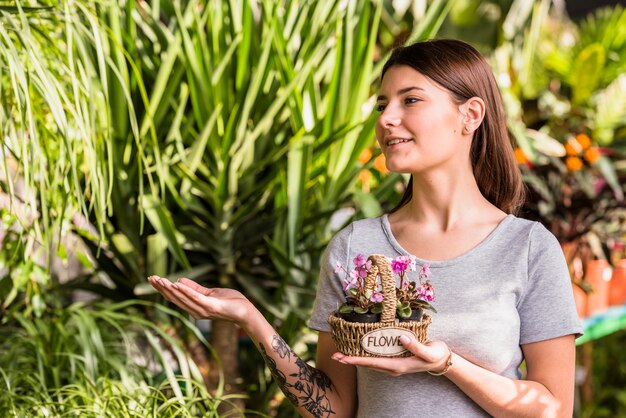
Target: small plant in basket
{"x":362,"y":304}
{"x":372,"y":287}
{"x":412,"y":297}
{"x":365,"y":304}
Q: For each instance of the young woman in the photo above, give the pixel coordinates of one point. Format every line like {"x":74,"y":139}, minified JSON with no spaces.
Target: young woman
{"x":502,"y":284}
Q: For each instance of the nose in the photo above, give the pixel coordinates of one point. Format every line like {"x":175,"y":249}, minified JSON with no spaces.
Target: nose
{"x":388,"y":118}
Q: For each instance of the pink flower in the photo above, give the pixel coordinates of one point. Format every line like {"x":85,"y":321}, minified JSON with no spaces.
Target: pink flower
{"x":362,"y":266}
{"x":402,"y":263}
{"x":377,"y":297}
{"x":352,"y":281}
{"x":426,"y":291}
{"x":338,"y":267}
{"x":359,"y":260}
{"x":425,"y":270}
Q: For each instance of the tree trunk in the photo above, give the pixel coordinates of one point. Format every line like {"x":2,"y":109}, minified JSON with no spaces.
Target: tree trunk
{"x":225,"y":342}
{"x":586,"y":390}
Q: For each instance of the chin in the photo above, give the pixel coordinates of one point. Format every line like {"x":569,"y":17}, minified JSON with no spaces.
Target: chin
{"x":399,"y":169}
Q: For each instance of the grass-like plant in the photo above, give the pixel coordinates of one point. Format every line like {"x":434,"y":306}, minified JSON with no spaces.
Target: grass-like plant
{"x":99,"y":361}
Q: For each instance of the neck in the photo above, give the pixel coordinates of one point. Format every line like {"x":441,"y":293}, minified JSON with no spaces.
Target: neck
{"x":444,"y":201}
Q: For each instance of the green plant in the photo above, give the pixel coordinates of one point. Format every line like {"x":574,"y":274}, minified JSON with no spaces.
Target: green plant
{"x":22,"y":278}
{"x":363,"y":297}
{"x":570,"y":165}
{"x":568,"y":190}
{"x":95,"y":360}
{"x":211,"y":139}
{"x":411,"y":295}
{"x":607,"y":377}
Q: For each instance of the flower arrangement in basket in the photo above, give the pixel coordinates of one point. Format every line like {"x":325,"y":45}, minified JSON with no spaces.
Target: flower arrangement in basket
{"x":377,"y":312}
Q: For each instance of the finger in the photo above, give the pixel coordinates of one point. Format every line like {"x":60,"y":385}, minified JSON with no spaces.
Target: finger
{"x":338,"y":356}
{"x":160,"y":285}
{"x":154,"y":281}
{"x":411,"y":344}
{"x":195,"y":286}
{"x":425,"y":352}
{"x":176,"y":296}
{"x":388,"y":366}
{"x":205,"y":306}
{"x":381,"y":363}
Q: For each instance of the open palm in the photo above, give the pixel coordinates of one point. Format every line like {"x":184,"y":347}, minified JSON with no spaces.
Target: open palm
{"x":202,"y":302}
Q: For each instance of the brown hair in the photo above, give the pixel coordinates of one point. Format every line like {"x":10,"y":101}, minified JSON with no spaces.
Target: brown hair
{"x":460,"y":69}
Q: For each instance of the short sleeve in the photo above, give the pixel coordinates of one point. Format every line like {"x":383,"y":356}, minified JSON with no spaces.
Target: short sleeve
{"x":330,"y":293}
{"x":547,"y":308}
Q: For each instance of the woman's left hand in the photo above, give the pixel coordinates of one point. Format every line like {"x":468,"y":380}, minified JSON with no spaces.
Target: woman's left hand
{"x":431,"y":356}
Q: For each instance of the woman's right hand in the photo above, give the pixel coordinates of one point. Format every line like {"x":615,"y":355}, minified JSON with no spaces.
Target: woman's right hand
{"x":205,"y":303}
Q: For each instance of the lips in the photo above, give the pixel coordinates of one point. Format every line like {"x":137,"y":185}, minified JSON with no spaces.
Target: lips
{"x":396,"y":141}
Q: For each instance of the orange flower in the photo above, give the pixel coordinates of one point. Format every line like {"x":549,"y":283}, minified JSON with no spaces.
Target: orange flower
{"x":583,"y":140}
{"x":520,"y":156}
{"x":573,"y":163}
{"x":365,"y":176}
{"x":592,"y":155}
{"x":365,"y":156}
{"x":380,"y":164}
{"x":573,"y":147}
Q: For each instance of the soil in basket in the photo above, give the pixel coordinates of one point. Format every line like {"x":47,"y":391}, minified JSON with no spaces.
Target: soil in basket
{"x":365,"y":318}
{"x":416,"y":315}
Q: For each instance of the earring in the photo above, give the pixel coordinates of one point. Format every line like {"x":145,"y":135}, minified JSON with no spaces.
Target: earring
{"x":466,"y":129}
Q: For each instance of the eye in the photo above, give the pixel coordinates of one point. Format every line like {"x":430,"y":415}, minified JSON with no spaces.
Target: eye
{"x":411,"y":100}
{"x":380,"y":107}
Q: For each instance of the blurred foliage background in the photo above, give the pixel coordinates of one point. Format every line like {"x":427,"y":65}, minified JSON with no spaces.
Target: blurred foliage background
{"x":226,"y":141}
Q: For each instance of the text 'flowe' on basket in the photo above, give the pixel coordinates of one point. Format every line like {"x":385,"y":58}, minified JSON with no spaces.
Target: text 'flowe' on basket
{"x":378,"y":339}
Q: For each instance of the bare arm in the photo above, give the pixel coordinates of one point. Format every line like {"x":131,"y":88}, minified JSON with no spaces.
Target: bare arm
{"x":328,"y":390}
{"x":547,"y":392}
{"x":325,"y":391}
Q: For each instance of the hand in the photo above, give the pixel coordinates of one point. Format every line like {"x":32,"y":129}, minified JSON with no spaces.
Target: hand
{"x":431,"y":356}
{"x":202,"y":302}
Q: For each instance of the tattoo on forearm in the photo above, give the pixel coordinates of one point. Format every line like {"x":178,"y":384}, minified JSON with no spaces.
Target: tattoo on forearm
{"x":281,"y":348}
{"x":310,"y":387}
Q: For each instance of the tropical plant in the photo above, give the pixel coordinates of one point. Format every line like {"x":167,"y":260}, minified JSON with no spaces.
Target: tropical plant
{"x":94,"y":361}
{"x":211,"y":139}
{"x":567,"y":189}
{"x":563,"y":84}
{"x":265,"y":142}
{"x":606,"y":378}
{"x":553,"y":106}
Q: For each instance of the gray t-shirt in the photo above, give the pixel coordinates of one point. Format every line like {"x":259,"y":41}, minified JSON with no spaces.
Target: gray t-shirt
{"x":513,"y":288}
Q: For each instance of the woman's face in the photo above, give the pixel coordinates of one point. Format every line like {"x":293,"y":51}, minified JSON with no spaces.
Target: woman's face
{"x":419,"y":127}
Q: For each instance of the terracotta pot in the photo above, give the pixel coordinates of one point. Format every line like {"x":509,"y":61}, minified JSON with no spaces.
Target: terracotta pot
{"x":617,"y":286}
{"x":598,"y":275}
{"x":580,"y":297}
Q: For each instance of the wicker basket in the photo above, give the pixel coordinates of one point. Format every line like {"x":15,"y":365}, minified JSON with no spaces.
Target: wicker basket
{"x":379,"y":339}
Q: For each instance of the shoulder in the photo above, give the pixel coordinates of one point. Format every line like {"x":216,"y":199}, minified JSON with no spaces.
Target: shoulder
{"x":360,"y":227}
{"x":531,"y":232}
{"x":541,"y":248}
{"x":358,"y":234}
{"x":524,"y":239}
{"x":368,"y":226}
{"x":539,"y":237}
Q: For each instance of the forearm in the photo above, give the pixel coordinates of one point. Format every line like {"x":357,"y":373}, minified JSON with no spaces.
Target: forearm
{"x":307,"y":388}
{"x":504,"y":397}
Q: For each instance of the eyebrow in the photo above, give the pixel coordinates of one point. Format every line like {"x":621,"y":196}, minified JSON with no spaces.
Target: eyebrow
{"x":401,"y":91}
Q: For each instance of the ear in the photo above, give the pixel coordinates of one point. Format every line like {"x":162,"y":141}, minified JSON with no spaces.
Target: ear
{"x":474,"y":112}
